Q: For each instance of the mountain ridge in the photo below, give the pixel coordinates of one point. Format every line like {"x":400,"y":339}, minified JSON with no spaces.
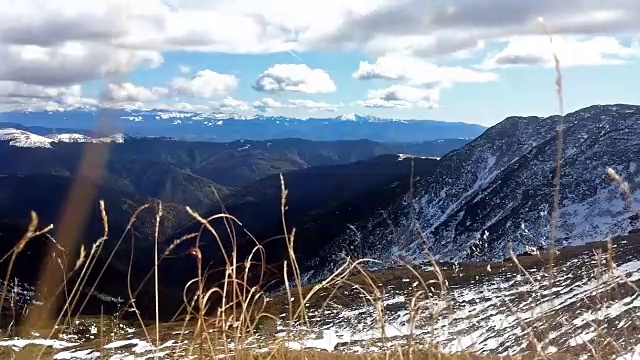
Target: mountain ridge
{"x":229,"y":127}
{"x":498,"y":190}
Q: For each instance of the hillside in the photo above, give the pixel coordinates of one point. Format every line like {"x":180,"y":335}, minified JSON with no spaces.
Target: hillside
{"x":197,"y":174}
{"x":320,"y":202}
{"x":498,"y":190}
{"x":21,"y":194}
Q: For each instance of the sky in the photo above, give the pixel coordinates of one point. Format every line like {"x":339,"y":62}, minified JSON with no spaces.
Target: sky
{"x":452,"y":60}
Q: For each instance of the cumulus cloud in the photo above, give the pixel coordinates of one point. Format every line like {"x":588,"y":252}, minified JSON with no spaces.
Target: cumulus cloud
{"x":128,"y":92}
{"x":571,"y":51}
{"x":415,"y":71}
{"x":242,"y":26}
{"x":206,"y":84}
{"x":268,"y":104}
{"x":294,"y":78}
{"x":402,"y":96}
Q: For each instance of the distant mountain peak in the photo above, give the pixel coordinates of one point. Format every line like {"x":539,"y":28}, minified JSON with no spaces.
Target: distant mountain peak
{"x":23,"y":138}
{"x":357,"y":117}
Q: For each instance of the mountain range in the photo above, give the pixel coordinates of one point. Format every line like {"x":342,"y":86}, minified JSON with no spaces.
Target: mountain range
{"x":362,"y":198}
{"x":477,"y":201}
{"x":22,"y":138}
{"x":230,"y":127}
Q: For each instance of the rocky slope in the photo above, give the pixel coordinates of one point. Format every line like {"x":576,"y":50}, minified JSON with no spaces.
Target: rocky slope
{"x":498,"y":190}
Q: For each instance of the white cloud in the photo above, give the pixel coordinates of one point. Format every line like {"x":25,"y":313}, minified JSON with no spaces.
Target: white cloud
{"x":206,"y":84}
{"x":431,"y":28}
{"x":69,"y":100}
{"x":70,"y":62}
{"x":127,"y":92}
{"x":294,"y":78}
{"x":46,"y":23}
{"x":268,"y":104}
{"x":314,"y":105}
{"x":402,"y":96}
{"x":185,"y":69}
{"x":20,"y":96}
{"x":571,"y":51}
{"x":183,"y":106}
{"x":418,"y":27}
{"x":415,"y":71}
{"x":243,"y":26}
{"x":21,"y":90}
{"x":231,"y":105}
{"x":59,"y":43}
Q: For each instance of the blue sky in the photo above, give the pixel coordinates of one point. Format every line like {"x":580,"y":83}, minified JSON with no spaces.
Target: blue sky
{"x":450,"y":60}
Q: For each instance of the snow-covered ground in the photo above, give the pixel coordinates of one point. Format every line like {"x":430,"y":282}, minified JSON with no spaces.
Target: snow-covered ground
{"x":23,"y":138}
{"x":498,"y":311}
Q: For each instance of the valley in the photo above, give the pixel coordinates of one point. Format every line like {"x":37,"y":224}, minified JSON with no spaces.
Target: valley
{"x":458,"y":206}
{"x":319,"y":180}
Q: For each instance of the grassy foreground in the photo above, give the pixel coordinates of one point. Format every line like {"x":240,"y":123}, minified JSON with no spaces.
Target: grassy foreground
{"x":248,"y":323}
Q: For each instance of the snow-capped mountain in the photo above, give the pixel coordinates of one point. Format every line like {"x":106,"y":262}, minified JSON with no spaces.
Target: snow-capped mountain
{"x":231,"y":127}
{"x":497,"y":190}
{"x":22,"y":138}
